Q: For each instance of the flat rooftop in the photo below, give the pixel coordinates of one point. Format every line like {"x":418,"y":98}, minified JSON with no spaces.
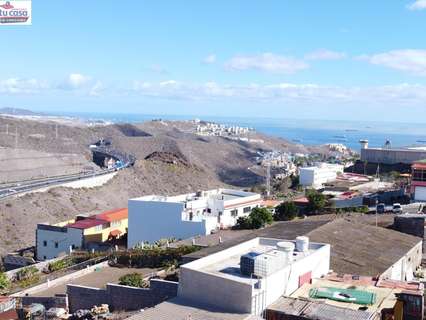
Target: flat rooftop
{"x":225,"y":194}
{"x":226,"y":264}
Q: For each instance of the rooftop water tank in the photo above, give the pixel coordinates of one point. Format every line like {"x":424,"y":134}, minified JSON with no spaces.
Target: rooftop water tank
{"x":287,"y":248}
{"x":302,"y":244}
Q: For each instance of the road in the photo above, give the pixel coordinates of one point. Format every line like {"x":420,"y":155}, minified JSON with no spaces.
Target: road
{"x":19,"y":187}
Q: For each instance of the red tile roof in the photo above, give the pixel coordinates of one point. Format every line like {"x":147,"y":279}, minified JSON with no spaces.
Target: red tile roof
{"x":9,"y":315}
{"x":419,"y":166}
{"x":86,"y":223}
{"x":113,"y":215}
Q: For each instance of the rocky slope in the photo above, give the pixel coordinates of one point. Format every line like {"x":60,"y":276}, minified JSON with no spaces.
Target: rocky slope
{"x":171,"y":160}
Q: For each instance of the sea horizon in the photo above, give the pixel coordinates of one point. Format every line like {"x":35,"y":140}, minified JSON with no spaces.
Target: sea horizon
{"x":305,"y":131}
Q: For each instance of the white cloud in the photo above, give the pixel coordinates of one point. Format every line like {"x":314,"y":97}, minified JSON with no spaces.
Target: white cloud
{"x":417,"y":5}
{"x":408,"y":60}
{"x":75,"y":81}
{"x":22,"y":86}
{"x":397,"y":95}
{"x":267,"y":62}
{"x":97,"y":89}
{"x":324,"y":54}
{"x":210,"y":59}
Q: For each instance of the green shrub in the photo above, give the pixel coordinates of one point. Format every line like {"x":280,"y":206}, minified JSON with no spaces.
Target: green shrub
{"x":61,"y":264}
{"x":27,"y":276}
{"x":286,"y":211}
{"x":26,"y":273}
{"x":133,"y":280}
{"x":317,"y":201}
{"x":258,"y":218}
{"x":152,"y":257}
{"x":4,"y":281}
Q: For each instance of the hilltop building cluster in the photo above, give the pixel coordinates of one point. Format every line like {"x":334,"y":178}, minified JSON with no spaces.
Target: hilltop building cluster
{"x":214,"y":129}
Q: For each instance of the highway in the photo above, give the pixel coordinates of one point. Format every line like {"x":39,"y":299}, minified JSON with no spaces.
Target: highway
{"x":19,"y":187}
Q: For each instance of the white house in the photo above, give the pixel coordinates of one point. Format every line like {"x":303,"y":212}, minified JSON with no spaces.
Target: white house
{"x":315,"y":177}
{"x":54,"y":241}
{"x":224,"y":279}
{"x":152,"y":218}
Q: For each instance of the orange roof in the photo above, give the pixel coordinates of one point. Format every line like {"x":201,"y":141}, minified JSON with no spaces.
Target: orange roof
{"x":301,"y":200}
{"x":270,"y":203}
{"x":115,"y":233}
{"x":113,"y":215}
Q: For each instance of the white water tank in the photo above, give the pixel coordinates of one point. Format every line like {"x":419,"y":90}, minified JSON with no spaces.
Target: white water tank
{"x":302,"y":244}
{"x":287,"y":248}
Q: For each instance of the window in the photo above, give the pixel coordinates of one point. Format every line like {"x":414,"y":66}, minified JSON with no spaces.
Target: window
{"x":44,"y":243}
{"x":44,"y":257}
{"x":56,"y":245}
{"x":116,"y":223}
{"x":247,"y":209}
{"x":98,"y":228}
{"x":209,"y":210}
{"x":234,"y":213}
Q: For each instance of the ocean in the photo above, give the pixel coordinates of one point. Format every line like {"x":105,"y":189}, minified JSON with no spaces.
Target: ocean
{"x":308,"y":132}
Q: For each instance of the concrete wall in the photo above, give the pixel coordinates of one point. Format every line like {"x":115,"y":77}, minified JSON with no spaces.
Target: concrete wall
{"x":356,"y":201}
{"x":212,"y":290}
{"x":392,"y":156}
{"x":52,"y":241}
{"x":58,"y":301}
{"x":121,"y":297}
{"x":403,"y":268}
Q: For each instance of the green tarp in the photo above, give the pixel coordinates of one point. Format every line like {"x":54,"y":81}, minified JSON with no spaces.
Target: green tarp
{"x":343,"y":295}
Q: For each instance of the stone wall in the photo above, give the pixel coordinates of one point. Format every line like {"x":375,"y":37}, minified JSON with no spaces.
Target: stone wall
{"x":58,"y":301}
{"x":120,"y":297}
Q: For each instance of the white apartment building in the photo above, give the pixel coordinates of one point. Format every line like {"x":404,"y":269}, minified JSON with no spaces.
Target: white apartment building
{"x":250,"y":276}
{"x":152,"y":218}
{"x":315,"y":177}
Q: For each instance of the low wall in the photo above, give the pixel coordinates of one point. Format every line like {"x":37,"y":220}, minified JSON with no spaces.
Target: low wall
{"x":40,"y":266}
{"x":58,"y":301}
{"x":61,"y":280}
{"x":120,"y":297}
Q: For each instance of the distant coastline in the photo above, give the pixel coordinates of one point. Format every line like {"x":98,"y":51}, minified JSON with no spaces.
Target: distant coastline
{"x":307,"y":132}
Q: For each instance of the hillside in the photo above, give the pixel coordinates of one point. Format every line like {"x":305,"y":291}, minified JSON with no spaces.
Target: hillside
{"x":170,"y":160}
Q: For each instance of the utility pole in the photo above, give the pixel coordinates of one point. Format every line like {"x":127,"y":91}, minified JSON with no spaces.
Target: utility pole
{"x":268,"y":179}
{"x":56,"y":131}
{"x":7,"y":129}
{"x":16,"y":137}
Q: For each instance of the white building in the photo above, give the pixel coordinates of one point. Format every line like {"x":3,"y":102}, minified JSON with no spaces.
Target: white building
{"x":219,"y":280}
{"x":54,"y":241}
{"x":315,"y":177}
{"x":152,"y":218}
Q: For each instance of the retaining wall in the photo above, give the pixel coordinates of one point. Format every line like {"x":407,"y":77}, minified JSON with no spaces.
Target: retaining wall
{"x":58,"y":301}
{"x":62,"y":280}
{"x":120,"y":297}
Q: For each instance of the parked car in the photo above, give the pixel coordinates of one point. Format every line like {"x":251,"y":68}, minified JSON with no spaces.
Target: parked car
{"x":397,"y":208}
{"x":380,"y":208}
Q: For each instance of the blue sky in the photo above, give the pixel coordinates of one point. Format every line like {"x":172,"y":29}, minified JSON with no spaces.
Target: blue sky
{"x":293,"y":59}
